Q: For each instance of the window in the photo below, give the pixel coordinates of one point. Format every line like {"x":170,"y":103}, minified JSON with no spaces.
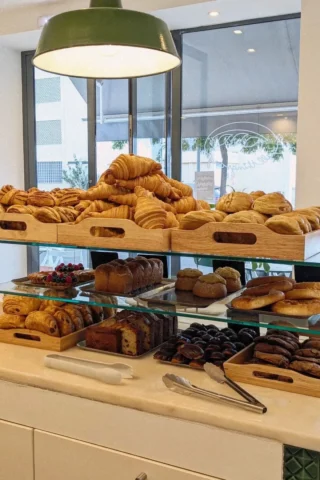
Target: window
{"x":240,"y":104}
{"x":49,"y":172}
{"x":48,"y":132}
{"x":47,"y":90}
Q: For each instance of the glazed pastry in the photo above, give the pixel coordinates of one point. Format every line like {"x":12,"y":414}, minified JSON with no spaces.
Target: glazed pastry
{"x":14,"y":197}
{"x":303,"y":308}
{"x":168,"y":207}
{"x":101,"y":192}
{"x":50,"y":303}
{"x":86,"y":315}
{"x":303,"y":294}
{"x":123,"y":212}
{"x":149,"y":214}
{"x":171,"y":221}
{"x":8,"y":322}
{"x":255,"y":282}
{"x":43,"y":322}
{"x":65,"y":324}
{"x":47,"y":215}
{"x":232,"y":277}
{"x":70,"y":197}
{"x":280,"y":286}
{"x":22,"y":209}
{"x":75,"y":315}
{"x":67,"y":214}
{"x":210,"y":286}
{"x":194,"y":220}
{"x":203,"y":205}
{"x":272,"y":204}
{"x":15,"y":305}
{"x":41,"y":199}
{"x":235,"y":202}
{"x":187,"y":278}
{"x":246,"y":216}
{"x":152,"y":183}
{"x":175,"y":194}
{"x":37,"y":278}
{"x":126,"y":167}
{"x":284,"y":225}
{"x":3,"y":209}
{"x":185,"y":205}
{"x":246,"y":302}
{"x":182,"y":187}
{"x":257,"y":194}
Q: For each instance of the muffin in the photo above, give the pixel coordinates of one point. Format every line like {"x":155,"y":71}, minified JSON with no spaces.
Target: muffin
{"x":232,"y":277}
{"x":210,"y":286}
{"x":187,"y":279}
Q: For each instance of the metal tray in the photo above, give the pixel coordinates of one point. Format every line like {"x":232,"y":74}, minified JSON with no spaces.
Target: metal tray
{"x":177,"y":298}
{"x":83,"y":346}
{"x":265,"y":316}
{"x":166,"y":283}
{"x":26,"y":282}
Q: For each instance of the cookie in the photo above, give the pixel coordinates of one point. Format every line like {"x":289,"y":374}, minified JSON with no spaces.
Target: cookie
{"x":311,"y":344}
{"x":306,"y":359}
{"x":308,"y":352}
{"x":266,"y":348}
{"x":308,"y":368}
{"x":284,"y":333}
{"x":275,"y":340}
{"x":278,"y":360}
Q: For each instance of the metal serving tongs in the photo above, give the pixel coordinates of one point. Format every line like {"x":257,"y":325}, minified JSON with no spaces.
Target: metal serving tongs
{"x":183,"y":386}
{"x":219,"y":376}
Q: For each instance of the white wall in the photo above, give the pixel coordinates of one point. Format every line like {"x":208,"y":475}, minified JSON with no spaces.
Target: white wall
{"x":308,"y":167}
{"x":13,"y":261}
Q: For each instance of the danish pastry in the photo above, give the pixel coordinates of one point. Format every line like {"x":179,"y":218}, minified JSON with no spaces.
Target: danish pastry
{"x":284,"y":225}
{"x":235,"y":202}
{"x":246,"y":216}
{"x":272,"y":204}
{"x":43,"y":322}
{"x":15,"y":305}
{"x":194,"y":220}
{"x":8,"y":322}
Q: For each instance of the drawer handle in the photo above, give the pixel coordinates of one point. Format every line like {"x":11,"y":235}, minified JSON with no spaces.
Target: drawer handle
{"x":142,"y":476}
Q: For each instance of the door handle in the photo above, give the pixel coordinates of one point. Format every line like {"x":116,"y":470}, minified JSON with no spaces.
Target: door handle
{"x":142,"y":476}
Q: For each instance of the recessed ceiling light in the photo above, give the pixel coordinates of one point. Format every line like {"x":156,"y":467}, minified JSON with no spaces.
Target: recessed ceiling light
{"x":214,"y":14}
{"x":238,"y":32}
{"x":279,"y":114}
{"x":251,"y":50}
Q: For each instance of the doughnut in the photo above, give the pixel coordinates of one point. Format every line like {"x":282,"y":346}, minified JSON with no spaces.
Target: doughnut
{"x":303,"y":294}
{"x":282,"y":286}
{"x":247,"y":302}
{"x":297,"y":308}
{"x":255,"y":282}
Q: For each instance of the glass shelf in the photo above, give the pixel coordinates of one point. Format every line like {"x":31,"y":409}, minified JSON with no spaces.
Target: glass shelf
{"x":310,"y":262}
{"x":305,"y":326}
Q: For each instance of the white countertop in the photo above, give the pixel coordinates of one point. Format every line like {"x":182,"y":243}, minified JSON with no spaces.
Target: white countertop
{"x":291,"y":419}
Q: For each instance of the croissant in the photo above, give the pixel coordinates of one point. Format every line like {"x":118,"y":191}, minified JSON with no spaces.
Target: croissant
{"x":175,"y":194}
{"x":14,"y":197}
{"x":123,"y":211}
{"x":149,"y":214}
{"x":83,"y":205}
{"x":8,"y":322}
{"x":171,"y":221}
{"x":194,"y":220}
{"x":41,"y":199}
{"x":24,"y":209}
{"x":203,"y":205}
{"x":184,"y":189}
{"x":3,"y":210}
{"x":15,"y":305}
{"x":96,"y":206}
{"x":185,"y":205}
{"x":166,"y":206}
{"x":153,"y":183}
{"x":101,"y":192}
{"x":126,"y":167}
{"x":126,"y":199}
{"x":47,"y":215}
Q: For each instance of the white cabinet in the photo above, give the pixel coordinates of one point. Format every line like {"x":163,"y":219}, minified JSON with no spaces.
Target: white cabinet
{"x":64,"y":459}
{"x":16,"y":452}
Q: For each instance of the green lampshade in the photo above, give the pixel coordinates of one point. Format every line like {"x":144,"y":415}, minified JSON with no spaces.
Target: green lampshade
{"x":106,"y":41}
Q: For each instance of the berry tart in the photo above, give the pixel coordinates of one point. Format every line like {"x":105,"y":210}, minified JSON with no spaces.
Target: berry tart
{"x":61,"y":281}
{"x":78,"y":270}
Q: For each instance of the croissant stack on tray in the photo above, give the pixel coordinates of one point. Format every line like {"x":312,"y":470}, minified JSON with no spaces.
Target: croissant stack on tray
{"x":53,"y":318}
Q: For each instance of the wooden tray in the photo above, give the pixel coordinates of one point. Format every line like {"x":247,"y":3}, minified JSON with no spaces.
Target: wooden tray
{"x":135,"y":237}
{"x":284,"y":379}
{"x":33,"y":230}
{"x":35,"y":339}
{"x":244,"y":240}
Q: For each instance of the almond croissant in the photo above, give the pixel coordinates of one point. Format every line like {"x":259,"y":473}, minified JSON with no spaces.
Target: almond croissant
{"x":126,"y":167}
{"x":149,"y":214}
{"x":153,"y":183}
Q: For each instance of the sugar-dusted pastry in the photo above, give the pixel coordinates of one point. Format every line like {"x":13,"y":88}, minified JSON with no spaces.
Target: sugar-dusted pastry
{"x":194,"y":220}
{"x":152,"y":183}
{"x":47,"y":215}
{"x":123,"y":211}
{"x":14,"y":197}
{"x":101,"y":192}
{"x":203,"y":205}
{"x":8,"y":322}
{"x":210,"y":286}
{"x":149,"y":214}
{"x":43,"y":322}
{"x":284,"y":225}
{"x":246,"y":216}
{"x":232,"y":277}
{"x":171,"y":221}
{"x":187,"y":278}
{"x":41,"y":199}
{"x":235,"y":202}
{"x":272,"y":204}
{"x":185,"y":205}
{"x":257,"y":194}
{"x":184,"y":189}
{"x":126,"y":167}
{"x":15,"y":305}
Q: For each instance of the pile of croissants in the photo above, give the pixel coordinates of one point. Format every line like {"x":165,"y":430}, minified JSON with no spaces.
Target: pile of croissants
{"x":133,"y":188}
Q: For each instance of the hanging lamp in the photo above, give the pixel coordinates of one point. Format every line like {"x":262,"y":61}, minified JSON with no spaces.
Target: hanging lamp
{"x":106,"y":41}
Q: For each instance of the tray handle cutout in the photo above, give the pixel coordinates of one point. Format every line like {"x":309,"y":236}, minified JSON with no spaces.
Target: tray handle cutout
{"x":272,"y":376}
{"x":17,"y":226}
{"x":26,"y":336}
{"x":235,"y":238}
{"x":107,"y":232}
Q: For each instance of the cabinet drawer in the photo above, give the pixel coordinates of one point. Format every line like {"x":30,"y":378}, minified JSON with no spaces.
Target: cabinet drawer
{"x":16,"y":452}
{"x":66,"y":459}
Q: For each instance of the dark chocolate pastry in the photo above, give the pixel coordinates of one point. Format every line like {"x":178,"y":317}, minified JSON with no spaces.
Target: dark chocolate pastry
{"x":179,"y":359}
{"x":308,"y":352}
{"x":198,"y":326}
{"x":193,"y":352}
{"x":311,"y":344}
{"x":266,"y":348}
{"x":293,"y":335}
{"x":306,"y":359}
{"x":309,"y":368}
{"x":274,"y":359}
{"x":274,"y":340}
